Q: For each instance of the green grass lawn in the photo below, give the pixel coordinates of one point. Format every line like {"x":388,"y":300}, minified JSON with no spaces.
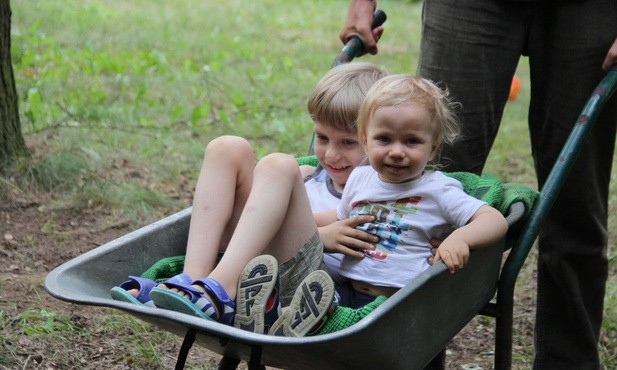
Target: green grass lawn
{"x":119,"y":98}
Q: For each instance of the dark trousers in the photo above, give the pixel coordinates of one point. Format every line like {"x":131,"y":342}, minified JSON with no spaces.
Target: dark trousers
{"x":473,"y":47}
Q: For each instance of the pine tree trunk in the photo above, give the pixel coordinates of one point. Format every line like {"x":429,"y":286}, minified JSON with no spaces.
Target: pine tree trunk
{"x":11,"y":140}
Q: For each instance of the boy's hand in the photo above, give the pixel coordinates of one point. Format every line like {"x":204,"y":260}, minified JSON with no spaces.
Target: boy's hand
{"x":343,"y":237}
{"x":454,"y":253}
{"x":434,"y":245}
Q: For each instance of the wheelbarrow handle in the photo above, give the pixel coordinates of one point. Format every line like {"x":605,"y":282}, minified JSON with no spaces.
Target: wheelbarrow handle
{"x":353,"y":47}
{"x":556,"y":178}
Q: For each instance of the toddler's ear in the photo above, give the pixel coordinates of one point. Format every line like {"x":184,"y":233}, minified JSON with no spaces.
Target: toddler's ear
{"x":364,"y":145}
{"x":433,"y":152}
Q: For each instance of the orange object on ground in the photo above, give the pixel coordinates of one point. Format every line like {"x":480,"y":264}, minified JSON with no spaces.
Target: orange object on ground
{"x":514,"y":87}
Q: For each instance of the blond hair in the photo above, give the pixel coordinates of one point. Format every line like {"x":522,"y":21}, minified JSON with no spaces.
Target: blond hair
{"x":336,"y":99}
{"x":398,"y":90}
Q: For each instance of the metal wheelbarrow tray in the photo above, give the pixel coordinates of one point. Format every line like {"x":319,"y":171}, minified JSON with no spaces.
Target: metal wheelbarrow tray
{"x":412,"y":326}
{"x":436,"y":303}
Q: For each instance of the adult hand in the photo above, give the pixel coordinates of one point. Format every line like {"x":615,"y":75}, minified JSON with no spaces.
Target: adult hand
{"x":611,"y":57}
{"x":343,"y":237}
{"x":359,"y":23}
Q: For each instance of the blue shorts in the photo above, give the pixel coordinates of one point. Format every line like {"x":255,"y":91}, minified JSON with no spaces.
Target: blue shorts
{"x":349,"y":297}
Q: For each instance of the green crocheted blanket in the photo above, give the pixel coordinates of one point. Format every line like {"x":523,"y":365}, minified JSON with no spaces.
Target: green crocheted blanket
{"x":309,"y":160}
{"x":485,"y":187}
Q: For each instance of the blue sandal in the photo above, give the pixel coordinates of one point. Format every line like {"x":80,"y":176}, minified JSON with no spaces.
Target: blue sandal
{"x":144,"y":287}
{"x":196,"y":303}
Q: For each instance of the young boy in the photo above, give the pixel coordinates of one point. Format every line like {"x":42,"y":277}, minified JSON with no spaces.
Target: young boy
{"x":246,"y":209}
{"x":402,"y":124}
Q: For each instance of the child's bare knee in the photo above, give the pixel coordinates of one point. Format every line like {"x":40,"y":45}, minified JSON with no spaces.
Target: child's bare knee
{"x":279,"y":163}
{"x":230,"y":147}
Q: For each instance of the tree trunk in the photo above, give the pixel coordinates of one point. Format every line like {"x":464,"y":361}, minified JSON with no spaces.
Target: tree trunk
{"x":12,"y":143}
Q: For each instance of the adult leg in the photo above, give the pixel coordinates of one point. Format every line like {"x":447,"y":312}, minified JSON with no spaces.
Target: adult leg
{"x":472,"y":47}
{"x":569,"y":41}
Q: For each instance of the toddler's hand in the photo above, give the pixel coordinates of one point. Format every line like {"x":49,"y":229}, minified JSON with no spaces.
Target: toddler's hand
{"x":454,"y":253}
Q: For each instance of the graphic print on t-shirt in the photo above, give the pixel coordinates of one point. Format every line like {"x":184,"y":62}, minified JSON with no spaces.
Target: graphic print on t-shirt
{"x":389,"y":222}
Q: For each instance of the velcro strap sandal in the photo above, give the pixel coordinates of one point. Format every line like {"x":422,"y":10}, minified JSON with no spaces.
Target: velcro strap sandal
{"x":143,"y":286}
{"x":197,"y":304}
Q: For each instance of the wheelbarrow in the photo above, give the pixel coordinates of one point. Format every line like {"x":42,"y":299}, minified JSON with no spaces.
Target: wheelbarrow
{"x":413,"y":325}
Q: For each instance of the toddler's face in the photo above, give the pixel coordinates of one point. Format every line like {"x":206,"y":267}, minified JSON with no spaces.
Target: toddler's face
{"x":399,"y":142}
{"x":338,"y":152}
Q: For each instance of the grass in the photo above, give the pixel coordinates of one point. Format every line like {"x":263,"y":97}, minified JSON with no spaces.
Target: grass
{"x":118,"y":99}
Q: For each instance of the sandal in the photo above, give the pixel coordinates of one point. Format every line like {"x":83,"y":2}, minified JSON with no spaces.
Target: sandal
{"x":310,"y":305}
{"x":144,"y":287}
{"x":257,"y":302}
{"x":196,"y":303}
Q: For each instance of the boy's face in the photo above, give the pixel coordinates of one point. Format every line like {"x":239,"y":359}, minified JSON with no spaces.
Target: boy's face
{"x":399,"y":142}
{"x":338,"y":152}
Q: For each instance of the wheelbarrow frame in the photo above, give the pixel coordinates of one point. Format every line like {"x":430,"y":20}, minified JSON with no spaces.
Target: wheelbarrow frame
{"x":437,"y":304}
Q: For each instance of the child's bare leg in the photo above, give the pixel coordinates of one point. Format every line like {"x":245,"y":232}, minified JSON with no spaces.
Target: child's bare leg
{"x":276,"y":220}
{"x":222,"y":188}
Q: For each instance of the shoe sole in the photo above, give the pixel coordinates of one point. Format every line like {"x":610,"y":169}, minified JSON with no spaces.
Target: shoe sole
{"x":170,"y":300}
{"x":256,"y":284}
{"x":119,"y":294}
{"x":309,"y":305}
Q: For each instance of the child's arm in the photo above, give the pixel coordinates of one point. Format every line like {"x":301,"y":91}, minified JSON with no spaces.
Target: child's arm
{"x":485,"y":227}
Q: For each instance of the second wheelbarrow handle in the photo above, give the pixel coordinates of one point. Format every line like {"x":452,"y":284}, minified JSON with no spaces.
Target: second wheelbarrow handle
{"x":556,"y":178}
{"x":353,"y":47}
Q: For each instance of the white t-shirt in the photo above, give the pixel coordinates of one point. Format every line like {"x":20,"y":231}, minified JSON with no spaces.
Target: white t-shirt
{"x":324,"y":197}
{"x":320,"y":190}
{"x":407,"y":215}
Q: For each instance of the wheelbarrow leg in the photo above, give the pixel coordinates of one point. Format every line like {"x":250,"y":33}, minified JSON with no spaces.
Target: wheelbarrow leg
{"x":437,"y":363}
{"x":255,"y":362}
{"x":503,"y":339}
{"x":187,"y":343}
{"x":228,"y":363}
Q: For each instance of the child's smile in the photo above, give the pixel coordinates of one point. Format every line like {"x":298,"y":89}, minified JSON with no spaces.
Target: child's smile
{"x":338,"y":151}
{"x":400,"y":142}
